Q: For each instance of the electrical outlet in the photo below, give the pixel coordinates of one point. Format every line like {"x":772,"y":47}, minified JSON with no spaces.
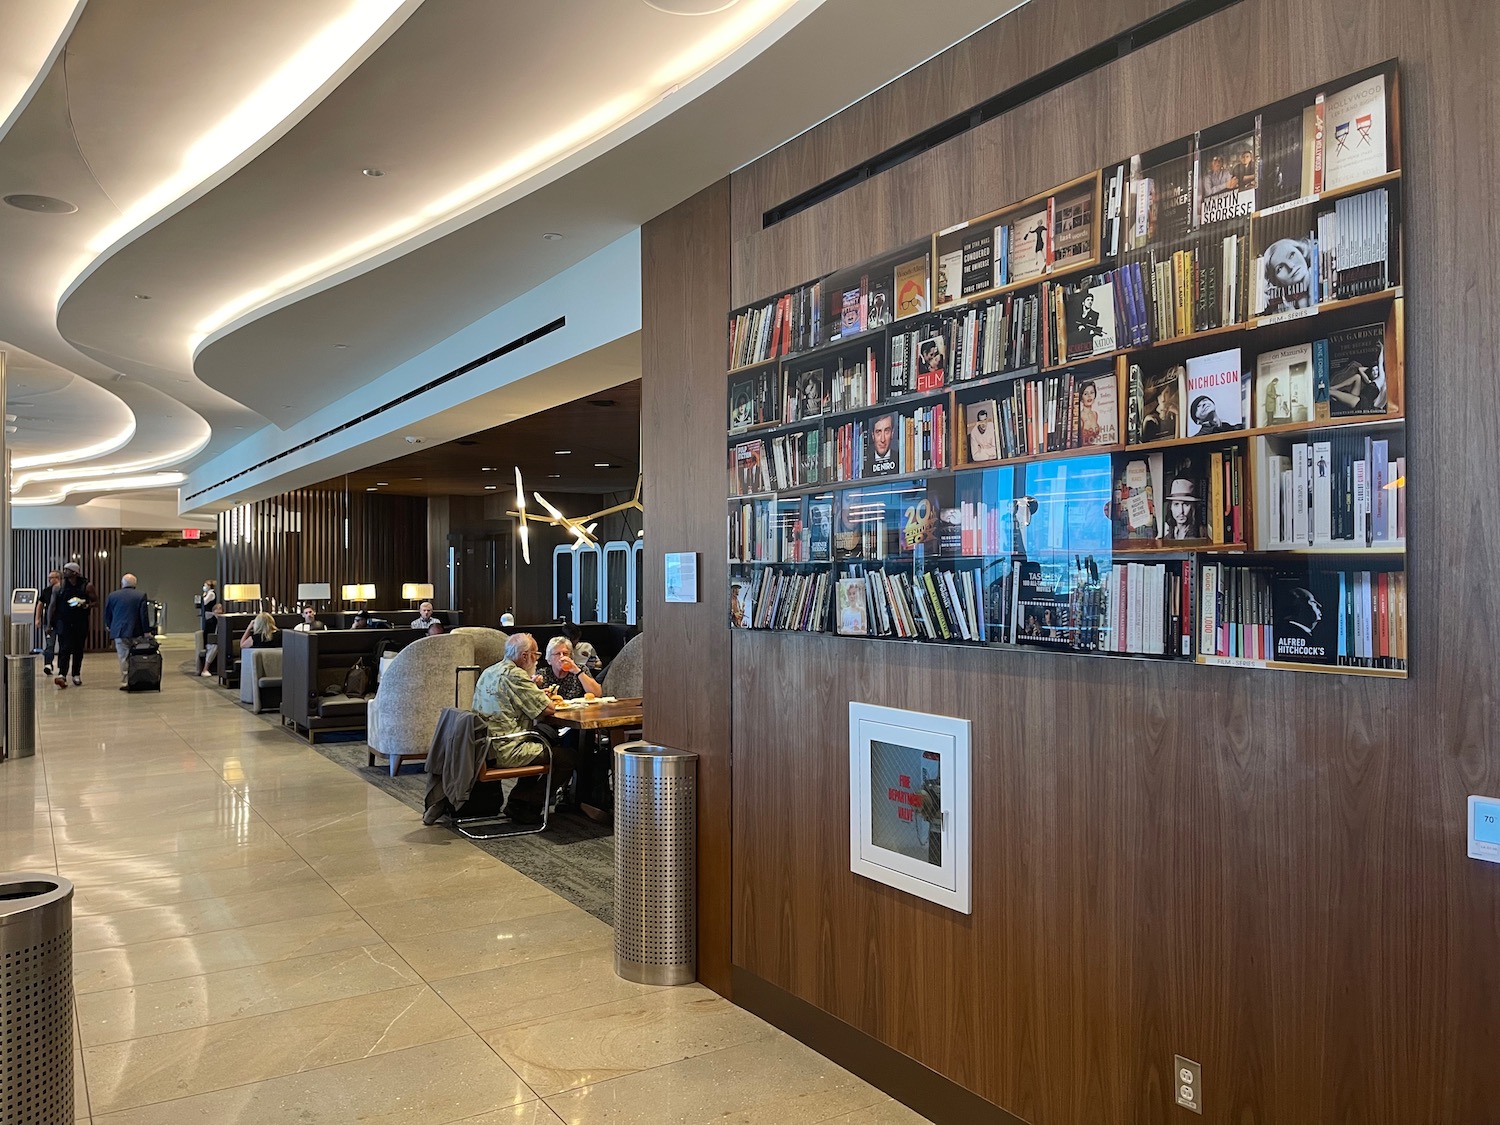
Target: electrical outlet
{"x":1187,"y":1081}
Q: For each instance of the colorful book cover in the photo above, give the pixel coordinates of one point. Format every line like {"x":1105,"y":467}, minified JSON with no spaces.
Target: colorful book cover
{"x":1354,"y":134}
{"x":1137,"y":498}
{"x":911,"y":287}
{"x":949,"y":276}
{"x":850,"y":321}
{"x":820,"y":530}
{"x":741,"y":605}
{"x":853,"y":616}
{"x":1098,"y":410}
{"x":884,"y":455}
{"x":1073,"y":228}
{"x":1225,"y":183}
{"x":1214,"y":395}
{"x":1161,"y":409}
{"x":932,"y":363}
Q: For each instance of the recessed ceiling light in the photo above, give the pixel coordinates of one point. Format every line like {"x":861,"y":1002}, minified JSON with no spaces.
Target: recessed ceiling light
{"x":143,"y":296}
{"x":373,"y":173}
{"x":603,"y":465}
{"x":562,"y":452}
{"x":341,"y":346}
{"x":41,"y":204}
{"x":383,"y":483}
{"x":491,"y":487}
{"x":554,"y":476}
{"x":551,"y":236}
{"x":601,"y":402}
{"x":369,"y":490}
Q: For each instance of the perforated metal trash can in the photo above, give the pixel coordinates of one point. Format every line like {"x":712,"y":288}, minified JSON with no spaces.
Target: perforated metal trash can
{"x":36,"y":999}
{"x":21,"y":717}
{"x":656,"y":866}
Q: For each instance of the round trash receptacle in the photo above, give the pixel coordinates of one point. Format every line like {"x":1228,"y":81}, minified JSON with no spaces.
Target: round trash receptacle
{"x":22,"y":720}
{"x":656,"y":864}
{"x":36,"y":999}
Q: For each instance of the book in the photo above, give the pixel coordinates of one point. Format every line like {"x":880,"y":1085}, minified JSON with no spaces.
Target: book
{"x":1214,"y":395}
{"x":1028,"y":246}
{"x":1041,"y":614}
{"x":741,"y":404}
{"x":983,"y":431}
{"x":1225,"y":183}
{"x":932,"y":362}
{"x":978,"y":262}
{"x":1136,"y":507}
{"x":1279,"y":179}
{"x":1354,"y":132}
{"x":1184,"y":500}
{"x":1098,"y":410}
{"x":853,"y":614}
{"x":820,"y":530}
{"x":806,"y":391}
{"x":950,"y":268}
{"x":1161,"y":396}
{"x":851,"y":317}
{"x":879,"y":306}
{"x":1072,"y":235}
{"x":1304,"y":618}
{"x":911,"y":287}
{"x":1089,"y":317}
{"x":882,"y":459}
{"x":1284,"y":386}
{"x":1356,"y":371}
{"x":741,"y":603}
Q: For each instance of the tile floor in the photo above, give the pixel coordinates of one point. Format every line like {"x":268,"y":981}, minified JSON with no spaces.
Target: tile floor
{"x":261,"y":938}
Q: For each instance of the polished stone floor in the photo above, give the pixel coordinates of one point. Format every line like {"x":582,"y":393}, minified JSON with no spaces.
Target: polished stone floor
{"x":261,"y":938}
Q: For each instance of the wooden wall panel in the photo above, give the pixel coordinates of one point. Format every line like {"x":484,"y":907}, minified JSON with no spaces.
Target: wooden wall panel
{"x":1264,"y":872}
{"x":97,"y":550}
{"x":685,"y":286}
{"x":997,"y":58}
{"x":302,"y":536}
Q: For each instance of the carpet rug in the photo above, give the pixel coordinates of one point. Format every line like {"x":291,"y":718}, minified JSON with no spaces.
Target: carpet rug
{"x":574,"y":858}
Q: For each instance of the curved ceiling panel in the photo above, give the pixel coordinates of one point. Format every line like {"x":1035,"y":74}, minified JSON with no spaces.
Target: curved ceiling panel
{"x":60,"y":417}
{"x":305,"y":208}
{"x":394,"y":307}
{"x":34,"y":33}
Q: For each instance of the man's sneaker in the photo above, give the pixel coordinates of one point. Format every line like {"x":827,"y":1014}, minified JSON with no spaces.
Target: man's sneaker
{"x":61,"y":681}
{"x":46,"y":669}
{"x":77,"y":681}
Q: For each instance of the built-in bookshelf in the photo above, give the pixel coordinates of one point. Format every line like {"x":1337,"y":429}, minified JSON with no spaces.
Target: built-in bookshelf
{"x":1156,"y":411}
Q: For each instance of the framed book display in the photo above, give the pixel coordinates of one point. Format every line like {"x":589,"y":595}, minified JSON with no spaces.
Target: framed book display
{"x":1157,"y":411}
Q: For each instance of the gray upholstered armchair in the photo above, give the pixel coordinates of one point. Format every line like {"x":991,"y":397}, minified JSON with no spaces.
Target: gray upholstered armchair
{"x":260,"y":678}
{"x":413,"y":691}
{"x":489,"y":644}
{"x":623,"y":676}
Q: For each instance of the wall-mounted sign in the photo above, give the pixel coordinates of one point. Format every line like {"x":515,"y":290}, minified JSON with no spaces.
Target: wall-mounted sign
{"x":682,"y":576}
{"x":909,"y":818}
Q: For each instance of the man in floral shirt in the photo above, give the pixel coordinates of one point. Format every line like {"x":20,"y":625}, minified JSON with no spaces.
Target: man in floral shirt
{"x":508,"y":699}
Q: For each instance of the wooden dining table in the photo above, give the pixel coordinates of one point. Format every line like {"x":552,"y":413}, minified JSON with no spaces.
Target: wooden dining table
{"x":594,"y":721}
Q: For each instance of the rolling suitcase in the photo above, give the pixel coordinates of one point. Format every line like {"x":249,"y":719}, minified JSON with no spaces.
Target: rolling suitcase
{"x":143,"y":668}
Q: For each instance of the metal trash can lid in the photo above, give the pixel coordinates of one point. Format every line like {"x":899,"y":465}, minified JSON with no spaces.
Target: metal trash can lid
{"x":22,"y":892}
{"x":647,"y":758}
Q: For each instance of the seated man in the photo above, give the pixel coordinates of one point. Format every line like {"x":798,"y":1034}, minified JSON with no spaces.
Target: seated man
{"x":361,"y":620}
{"x":424,"y":619}
{"x":510,"y":703}
{"x":310,"y":622}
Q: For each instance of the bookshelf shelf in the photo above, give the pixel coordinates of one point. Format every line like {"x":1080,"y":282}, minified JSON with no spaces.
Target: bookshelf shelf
{"x":1124,"y":255}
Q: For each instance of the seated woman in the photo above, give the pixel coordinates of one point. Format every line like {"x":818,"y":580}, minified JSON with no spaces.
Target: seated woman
{"x":561,"y":672}
{"x":262,"y":632}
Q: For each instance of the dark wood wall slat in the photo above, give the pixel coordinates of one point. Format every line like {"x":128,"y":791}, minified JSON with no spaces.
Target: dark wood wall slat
{"x":300,"y":537}
{"x":1264,"y":872}
{"x":95,"y":549}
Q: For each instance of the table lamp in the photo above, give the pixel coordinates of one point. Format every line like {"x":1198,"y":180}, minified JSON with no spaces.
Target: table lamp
{"x":416,"y":591}
{"x":314,"y":591}
{"x":359,"y":592}
{"x":242,"y":592}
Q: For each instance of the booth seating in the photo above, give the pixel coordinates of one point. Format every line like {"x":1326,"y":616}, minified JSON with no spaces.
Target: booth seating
{"x":314,"y":662}
{"x":489,"y":644}
{"x":260,"y":679}
{"x":398,"y":618}
{"x":232,"y":627}
{"x":415,"y":688}
{"x":607,"y":637}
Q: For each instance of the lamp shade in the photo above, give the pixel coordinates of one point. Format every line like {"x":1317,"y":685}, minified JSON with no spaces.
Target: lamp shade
{"x":314,"y":591}
{"x":242,"y":592}
{"x":411,"y":591}
{"x":359,"y":592}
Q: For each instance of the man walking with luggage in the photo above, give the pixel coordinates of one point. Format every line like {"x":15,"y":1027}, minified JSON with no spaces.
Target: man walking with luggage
{"x":125,"y":616}
{"x":69,"y":615}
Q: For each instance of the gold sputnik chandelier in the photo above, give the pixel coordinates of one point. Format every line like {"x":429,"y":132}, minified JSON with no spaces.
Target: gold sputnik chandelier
{"x":581,"y":527}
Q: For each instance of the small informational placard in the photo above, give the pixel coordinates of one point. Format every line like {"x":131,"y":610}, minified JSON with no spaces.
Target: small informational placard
{"x":909,"y":802}
{"x":682,"y":576}
{"x":1484,"y":828}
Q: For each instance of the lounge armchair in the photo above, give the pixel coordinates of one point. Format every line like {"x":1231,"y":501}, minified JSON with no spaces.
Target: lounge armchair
{"x":260,"y":679}
{"x":414,"y":689}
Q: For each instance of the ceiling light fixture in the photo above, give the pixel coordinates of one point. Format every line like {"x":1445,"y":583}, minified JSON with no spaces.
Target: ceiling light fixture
{"x":373,"y":173}
{"x":143,"y":296}
{"x":552,"y":236}
{"x":691,"y":7}
{"x":41,"y":204}
{"x":562,"y":452}
{"x":491,"y":487}
{"x":340,"y":347}
{"x":603,"y":465}
{"x":82,"y":453}
{"x":750,"y":19}
{"x":109,"y":484}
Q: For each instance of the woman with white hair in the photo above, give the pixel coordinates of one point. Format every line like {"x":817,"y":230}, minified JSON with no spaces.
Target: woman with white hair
{"x":562,"y":673}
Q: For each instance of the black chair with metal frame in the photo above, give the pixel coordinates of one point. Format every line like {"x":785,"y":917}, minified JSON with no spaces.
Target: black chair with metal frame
{"x":504,"y":825}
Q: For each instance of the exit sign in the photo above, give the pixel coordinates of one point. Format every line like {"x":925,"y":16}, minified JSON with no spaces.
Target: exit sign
{"x":191,"y":532}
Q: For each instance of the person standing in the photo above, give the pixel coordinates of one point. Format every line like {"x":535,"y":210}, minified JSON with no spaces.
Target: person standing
{"x":125,"y":617}
{"x":70,"y":618}
{"x":44,"y":621}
